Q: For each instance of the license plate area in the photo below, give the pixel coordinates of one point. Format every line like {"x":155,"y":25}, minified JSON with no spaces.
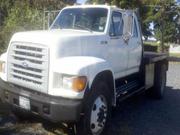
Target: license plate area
{"x":24,"y":103}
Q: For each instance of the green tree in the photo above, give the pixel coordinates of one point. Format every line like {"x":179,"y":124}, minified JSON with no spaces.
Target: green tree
{"x":165,"y":26}
{"x":20,"y":17}
{"x":5,"y":5}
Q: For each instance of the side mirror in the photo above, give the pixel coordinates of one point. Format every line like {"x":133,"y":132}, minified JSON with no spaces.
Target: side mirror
{"x":126,"y":37}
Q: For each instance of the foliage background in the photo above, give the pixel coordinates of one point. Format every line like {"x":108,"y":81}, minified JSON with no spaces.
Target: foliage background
{"x":23,"y":15}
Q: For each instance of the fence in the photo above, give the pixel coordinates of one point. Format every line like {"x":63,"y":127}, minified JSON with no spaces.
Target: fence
{"x":48,"y":17}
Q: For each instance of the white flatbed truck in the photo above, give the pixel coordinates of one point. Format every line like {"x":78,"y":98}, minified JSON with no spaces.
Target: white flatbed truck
{"x":91,"y":56}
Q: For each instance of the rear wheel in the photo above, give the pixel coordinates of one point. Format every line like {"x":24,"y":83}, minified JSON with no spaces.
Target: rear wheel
{"x":157,"y":91}
{"x":96,"y":111}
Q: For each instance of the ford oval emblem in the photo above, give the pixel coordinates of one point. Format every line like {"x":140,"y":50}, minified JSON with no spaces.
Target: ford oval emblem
{"x":25,"y":64}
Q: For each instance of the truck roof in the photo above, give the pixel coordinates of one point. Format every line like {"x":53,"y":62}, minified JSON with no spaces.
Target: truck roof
{"x":111,"y":7}
{"x":92,"y":6}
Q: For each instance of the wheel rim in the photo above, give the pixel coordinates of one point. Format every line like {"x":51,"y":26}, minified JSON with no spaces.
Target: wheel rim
{"x":98,"y":115}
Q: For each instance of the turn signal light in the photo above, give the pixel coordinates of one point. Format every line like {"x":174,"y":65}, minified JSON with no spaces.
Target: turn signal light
{"x":79,"y":83}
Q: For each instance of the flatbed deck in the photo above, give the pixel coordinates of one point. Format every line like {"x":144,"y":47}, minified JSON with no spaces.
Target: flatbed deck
{"x":152,"y":57}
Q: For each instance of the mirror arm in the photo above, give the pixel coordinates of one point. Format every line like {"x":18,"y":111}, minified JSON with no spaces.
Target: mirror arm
{"x":126,"y":37}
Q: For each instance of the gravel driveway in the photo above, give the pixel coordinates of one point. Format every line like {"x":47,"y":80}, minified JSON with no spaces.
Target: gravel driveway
{"x":136,"y":116}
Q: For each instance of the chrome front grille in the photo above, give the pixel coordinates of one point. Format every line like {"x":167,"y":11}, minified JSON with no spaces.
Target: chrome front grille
{"x":28,"y":66}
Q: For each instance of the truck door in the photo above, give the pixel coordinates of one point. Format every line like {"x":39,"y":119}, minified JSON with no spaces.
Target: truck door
{"x":117,"y":49}
{"x":134,"y":48}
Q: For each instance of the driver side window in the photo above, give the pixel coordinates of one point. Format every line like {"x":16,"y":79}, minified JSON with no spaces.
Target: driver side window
{"x":117,"y":24}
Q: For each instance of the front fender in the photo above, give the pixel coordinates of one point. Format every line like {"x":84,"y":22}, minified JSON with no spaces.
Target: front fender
{"x":81,"y":66}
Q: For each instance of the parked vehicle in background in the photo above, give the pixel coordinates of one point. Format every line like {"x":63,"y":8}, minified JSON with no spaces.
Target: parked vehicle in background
{"x":75,"y":72}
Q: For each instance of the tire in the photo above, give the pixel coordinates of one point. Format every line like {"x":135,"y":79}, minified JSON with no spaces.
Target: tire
{"x":157,"y":91}
{"x":96,"y":111}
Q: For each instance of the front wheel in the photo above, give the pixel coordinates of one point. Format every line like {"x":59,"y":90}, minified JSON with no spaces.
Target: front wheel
{"x":96,"y":111}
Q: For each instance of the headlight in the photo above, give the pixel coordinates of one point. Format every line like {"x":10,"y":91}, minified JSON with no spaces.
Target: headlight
{"x":2,"y":66}
{"x":75,"y":83}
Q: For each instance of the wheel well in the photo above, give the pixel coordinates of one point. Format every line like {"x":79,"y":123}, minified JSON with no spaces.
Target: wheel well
{"x":107,"y":77}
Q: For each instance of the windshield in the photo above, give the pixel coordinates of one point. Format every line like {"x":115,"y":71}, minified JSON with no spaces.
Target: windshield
{"x":91,"y":19}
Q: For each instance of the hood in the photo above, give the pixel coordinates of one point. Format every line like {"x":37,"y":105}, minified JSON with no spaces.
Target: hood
{"x":49,"y":37}
{"x":61,"y":42}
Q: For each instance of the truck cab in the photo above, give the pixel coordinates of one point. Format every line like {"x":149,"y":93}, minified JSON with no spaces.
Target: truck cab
{"x":75,"y":71}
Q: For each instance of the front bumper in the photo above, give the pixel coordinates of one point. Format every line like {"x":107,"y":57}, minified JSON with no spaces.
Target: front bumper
{"x":55,"y":109}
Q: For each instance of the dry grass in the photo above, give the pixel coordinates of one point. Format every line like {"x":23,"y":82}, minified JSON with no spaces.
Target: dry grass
{"x":175,"y":55}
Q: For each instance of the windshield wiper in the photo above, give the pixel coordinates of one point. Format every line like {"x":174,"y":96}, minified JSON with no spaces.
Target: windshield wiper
{"x":83,"y":27}
{"x":56,"y":26}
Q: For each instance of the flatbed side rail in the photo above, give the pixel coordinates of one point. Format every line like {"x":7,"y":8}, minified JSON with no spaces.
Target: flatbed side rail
{"x":152,"y":57}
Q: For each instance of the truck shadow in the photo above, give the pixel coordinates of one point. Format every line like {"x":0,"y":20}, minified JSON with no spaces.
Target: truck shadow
{"x":141,"y":115}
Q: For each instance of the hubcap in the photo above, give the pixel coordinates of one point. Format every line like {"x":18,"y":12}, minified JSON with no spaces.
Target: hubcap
{"x":98,"y":115}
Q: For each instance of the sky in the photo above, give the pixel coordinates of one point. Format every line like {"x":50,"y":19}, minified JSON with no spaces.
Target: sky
{"x":81,"y":1}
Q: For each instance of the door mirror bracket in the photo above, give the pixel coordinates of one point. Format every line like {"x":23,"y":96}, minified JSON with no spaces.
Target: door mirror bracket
{"x":126,"y":37}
